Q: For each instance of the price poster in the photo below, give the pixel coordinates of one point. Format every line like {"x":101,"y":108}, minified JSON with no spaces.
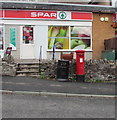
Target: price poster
{"x":13,"y":38}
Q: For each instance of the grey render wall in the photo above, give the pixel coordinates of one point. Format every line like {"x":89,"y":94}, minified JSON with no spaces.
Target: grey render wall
{"x":16,"y":52}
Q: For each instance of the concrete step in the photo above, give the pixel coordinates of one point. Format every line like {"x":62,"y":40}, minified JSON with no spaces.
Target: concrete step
{"x":28,"y":65}
{"x":27,"y":72}
{"x":28,"y":69}
{"x":26,"y":60}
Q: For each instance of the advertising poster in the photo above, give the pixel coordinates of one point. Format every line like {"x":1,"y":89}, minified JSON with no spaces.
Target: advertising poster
{"x":69,"y":37}
{"x":1,"y":38}
{"x":28,"y":35}
{"x":80,"y":37}
{"x":13,"y":38}
{"x":58,"y":36}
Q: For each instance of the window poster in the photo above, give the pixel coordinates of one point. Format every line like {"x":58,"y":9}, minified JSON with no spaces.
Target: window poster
{"x":28,"y":34}
{"x":13,"y":38}
{"x":69,"y":37}
{"x":58,"y":36}
{"x":1,"y":38}
{"x":80,"y":37}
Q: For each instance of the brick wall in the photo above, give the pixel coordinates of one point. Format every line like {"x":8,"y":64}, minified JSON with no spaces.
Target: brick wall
{"x":101,"y":31}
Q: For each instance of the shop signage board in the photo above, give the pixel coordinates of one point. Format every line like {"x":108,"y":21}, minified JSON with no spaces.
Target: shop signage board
{"x":51,"y":15}
{"x":13,"y":38}
{"x":1,"y":13}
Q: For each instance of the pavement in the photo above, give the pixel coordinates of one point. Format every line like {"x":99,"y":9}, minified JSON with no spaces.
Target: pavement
{"x":36,"y":86}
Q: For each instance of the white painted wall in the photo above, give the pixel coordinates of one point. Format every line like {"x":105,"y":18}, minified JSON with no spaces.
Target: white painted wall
{"x":40,"y":39}
{"x":114,"y":3}
{"x":44,"y":23}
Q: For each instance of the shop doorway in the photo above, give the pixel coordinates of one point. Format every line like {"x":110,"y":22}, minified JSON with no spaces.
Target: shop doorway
{"x":27,"y":42}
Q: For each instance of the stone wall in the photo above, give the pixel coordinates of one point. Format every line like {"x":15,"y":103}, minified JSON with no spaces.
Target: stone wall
{"x":8,"y":69}
{"x":48,"y":69}
{"x":95,"y":70}
{"x":100,"y":70}
{"x":8,"y":65}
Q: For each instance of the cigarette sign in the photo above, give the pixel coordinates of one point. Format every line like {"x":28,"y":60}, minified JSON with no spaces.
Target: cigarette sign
{"x":55,"y":15}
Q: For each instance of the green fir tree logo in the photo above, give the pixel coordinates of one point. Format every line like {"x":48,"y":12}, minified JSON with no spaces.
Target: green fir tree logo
{"x":62,"y":15}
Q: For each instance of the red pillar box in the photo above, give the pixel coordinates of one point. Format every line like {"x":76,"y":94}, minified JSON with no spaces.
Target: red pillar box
{"x":80,"y":65}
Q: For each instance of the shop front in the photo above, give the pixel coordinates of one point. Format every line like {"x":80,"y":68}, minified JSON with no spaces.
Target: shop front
{"x":26,"y":31}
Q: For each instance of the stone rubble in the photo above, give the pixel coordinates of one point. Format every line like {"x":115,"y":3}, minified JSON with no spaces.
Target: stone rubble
{"x":8,"y":65}
{"x":9,"y":69}
{"x":100,"y":70}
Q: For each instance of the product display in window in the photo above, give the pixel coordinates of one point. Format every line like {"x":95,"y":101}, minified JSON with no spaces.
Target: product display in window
{"x":80,"y":37}
{"x":1,"y":38}
{"x":58,"y":36}
{"x":28,"y":35}
{"x":69,"y":37}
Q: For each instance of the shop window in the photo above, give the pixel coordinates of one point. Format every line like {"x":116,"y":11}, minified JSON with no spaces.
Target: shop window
{"x":1,"y":38}
{"x":69,"y":37}
{"x":80,"y":37}
{"x":28,"y":34}
{"x":58,"y":36}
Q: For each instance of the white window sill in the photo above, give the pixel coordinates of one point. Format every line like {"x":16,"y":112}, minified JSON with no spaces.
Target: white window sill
{"x":88,"y":50}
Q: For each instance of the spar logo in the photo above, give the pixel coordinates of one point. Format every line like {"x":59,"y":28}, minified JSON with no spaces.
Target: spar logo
{"x":44,"y":14}
{"x":62,"y":15}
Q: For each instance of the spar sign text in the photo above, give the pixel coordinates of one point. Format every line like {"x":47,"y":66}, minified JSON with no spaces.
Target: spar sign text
{"x":44,"y":15}
{"x":55,"y":15}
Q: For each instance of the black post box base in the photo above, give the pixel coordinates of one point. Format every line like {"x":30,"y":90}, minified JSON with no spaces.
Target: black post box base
{"x":80,"y":78}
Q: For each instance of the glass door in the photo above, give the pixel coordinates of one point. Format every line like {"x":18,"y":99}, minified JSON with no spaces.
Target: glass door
{"x":27,"y":42}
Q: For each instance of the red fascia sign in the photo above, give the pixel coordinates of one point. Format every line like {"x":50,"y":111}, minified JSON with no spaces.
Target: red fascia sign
{"x":82,"y":16}
{"x":1,"y":13}
{"x":30,"y":14}
{"x":51,"y":15}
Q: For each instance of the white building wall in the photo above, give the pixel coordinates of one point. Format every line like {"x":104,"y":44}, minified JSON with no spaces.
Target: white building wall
{"x":40,"y":41}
